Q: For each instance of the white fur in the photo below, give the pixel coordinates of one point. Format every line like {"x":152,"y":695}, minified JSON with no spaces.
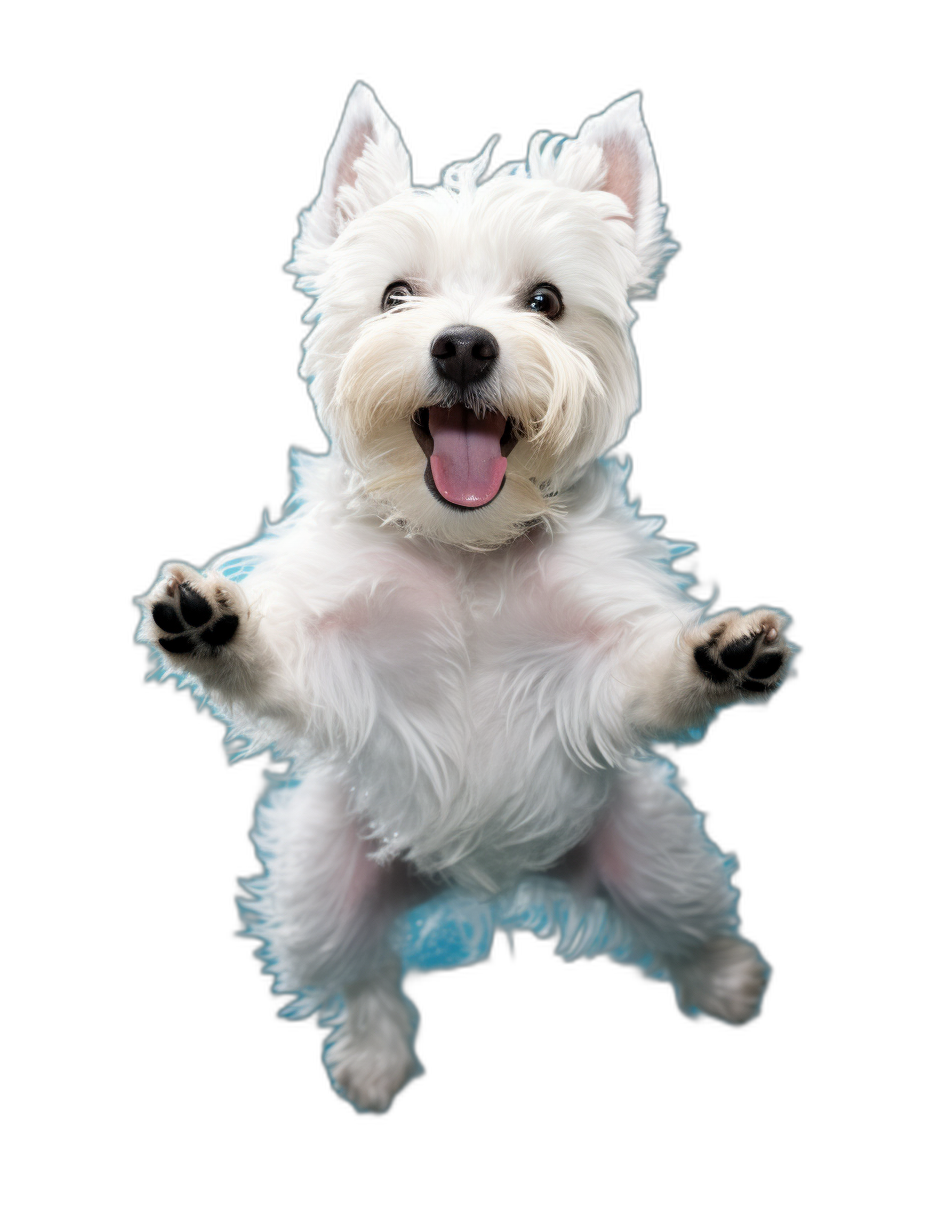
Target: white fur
{"x":468,"y":696}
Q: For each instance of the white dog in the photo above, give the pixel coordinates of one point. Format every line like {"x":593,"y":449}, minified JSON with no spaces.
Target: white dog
{"x":460,"y":634}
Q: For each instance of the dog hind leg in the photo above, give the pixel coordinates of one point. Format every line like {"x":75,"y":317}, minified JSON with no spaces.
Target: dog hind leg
{"x":369,"y":1054}
{"x":324,"y":909}
{"x":671,"y":887}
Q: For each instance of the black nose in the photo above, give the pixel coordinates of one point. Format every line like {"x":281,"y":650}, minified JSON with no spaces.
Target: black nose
{"x":464,"y":353}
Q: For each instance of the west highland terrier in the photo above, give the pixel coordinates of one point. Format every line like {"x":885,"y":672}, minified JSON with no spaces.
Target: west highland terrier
{"x":460,"y":635}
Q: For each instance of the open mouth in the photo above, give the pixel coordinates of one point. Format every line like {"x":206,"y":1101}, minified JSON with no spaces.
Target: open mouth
{"x":466,"y":453}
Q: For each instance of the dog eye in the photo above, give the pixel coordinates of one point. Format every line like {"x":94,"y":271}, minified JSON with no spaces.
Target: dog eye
{"x":396,"y":295}
{"x":546,"y":300}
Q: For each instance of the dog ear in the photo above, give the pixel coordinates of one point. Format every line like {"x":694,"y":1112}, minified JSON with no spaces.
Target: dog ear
{"x":612,"y":152}
{"x":367,"y":164}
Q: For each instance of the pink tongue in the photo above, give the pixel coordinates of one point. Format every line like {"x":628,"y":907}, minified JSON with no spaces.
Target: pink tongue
{"x":466,"y":462}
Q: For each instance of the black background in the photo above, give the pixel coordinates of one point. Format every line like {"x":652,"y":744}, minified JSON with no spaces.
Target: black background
{"x":211,"y":154}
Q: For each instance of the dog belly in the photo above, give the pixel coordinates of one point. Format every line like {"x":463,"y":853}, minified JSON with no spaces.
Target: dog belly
{"x":483,"y":820}
{"x":436,"y":687}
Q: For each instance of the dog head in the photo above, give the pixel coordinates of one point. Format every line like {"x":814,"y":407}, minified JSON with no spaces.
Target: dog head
{"x":470,"y":354}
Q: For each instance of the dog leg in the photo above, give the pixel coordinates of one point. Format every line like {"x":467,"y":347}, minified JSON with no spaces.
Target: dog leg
{"x":324,"y":910}
{"x":671,"y":887}
{"x":729,"y":658}
{"x":203,"y":625}
{"x":369,"y":1056}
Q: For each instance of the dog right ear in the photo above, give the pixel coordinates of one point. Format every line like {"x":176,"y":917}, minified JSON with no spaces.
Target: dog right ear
{"x":367,"y":164}
{"x":612,"y":153}
{"x":630,"y":174}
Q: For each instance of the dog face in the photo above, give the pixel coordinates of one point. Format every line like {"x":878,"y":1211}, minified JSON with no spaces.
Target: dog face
{"x":471,"y":354}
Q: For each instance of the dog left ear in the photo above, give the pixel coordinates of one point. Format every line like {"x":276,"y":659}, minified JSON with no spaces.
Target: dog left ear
{"x":612,"y":152}
{"x":366,"y":165}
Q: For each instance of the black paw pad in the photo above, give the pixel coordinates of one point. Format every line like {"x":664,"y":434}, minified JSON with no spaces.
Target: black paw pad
{"x":756,"y":686}
{"x":176,"y":645}
{"x":708,"y":666}
{"x":766,"y":666}
{"x":221,"y":631}
{"x":193,"y":607}
{"x":738,"y":654}
{"x":166,"y":618}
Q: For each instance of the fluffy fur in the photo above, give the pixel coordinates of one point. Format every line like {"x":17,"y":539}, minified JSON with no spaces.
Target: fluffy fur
{"x":467,"y":696}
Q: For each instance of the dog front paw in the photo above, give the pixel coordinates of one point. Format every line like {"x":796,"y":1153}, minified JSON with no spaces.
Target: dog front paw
{"x":740,"y":655}
{"x":192,"y":615}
